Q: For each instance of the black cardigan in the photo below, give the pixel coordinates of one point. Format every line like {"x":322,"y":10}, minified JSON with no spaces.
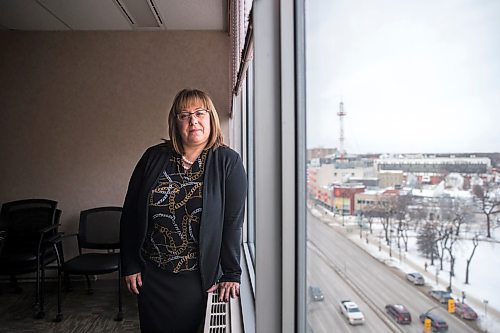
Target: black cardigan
{"x":224,"y":193}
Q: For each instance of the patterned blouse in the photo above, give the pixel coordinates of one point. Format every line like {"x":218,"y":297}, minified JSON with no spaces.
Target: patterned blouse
{"x":175,"y":206}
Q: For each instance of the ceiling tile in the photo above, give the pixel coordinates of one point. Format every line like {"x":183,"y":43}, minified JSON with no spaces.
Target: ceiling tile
{"x":89,"y":14}
{"x":28,"y":15}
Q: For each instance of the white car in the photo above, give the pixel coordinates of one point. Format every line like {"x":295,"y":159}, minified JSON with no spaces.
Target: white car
{"x":351,"y":311}
{"x":416,"y":278}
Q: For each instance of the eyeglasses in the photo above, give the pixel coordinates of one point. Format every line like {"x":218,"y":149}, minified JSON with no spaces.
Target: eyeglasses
{"x":186,"y":116}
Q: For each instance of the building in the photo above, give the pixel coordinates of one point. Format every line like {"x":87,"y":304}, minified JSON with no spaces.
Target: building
{"x":344,"y":197}
{"x":390,"y":178}
{"x":432,"y":169}
{"x":314,"y":153}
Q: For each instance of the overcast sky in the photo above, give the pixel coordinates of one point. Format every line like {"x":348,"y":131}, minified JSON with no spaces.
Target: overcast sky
{"x":414,"y":76}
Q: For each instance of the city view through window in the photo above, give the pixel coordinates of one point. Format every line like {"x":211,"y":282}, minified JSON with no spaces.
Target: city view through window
{"x":403,"y":165}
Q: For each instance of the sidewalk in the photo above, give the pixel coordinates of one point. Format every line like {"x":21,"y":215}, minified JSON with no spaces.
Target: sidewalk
{"x":406,"y":263}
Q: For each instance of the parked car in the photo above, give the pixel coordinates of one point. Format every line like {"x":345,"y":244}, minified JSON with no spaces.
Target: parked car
{"x":441,"y":295}
{"x":416,"y":278}
{"x":465,"y":311}
{"x":351,"y":311}
{"x":315,"y":293}
{"x":399,"y":313}
{"x":437,"y":323}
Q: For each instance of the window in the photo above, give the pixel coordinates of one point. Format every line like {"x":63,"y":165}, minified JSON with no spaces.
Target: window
{"x":250,"y":131}
{"x":412,"y":87}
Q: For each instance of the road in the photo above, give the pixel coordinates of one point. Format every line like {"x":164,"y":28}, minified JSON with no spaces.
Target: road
{"x":344,"y":271}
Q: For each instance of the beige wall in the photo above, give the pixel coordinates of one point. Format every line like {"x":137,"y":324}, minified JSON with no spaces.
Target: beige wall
{"x":390,"y":178}
{"x":79,"y":108}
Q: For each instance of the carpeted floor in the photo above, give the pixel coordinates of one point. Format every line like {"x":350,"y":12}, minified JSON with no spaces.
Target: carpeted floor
{"x":82,"y":312}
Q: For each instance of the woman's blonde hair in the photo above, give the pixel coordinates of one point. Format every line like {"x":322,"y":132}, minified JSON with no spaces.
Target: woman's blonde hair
{"x":184,"y":99}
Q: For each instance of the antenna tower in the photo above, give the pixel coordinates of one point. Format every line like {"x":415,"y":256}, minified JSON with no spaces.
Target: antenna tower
{"x":341,"y":115}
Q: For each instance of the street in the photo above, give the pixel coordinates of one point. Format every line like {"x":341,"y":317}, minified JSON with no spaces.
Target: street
{"x":344,"y":271}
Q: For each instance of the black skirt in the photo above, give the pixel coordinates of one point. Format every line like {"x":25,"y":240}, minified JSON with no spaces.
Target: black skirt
{"x":171,"y":302}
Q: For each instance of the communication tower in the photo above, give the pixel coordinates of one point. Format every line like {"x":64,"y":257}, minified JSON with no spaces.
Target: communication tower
{"x":341,"y":115}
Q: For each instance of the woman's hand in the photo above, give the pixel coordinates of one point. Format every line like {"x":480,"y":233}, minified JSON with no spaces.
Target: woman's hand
{"x":133,"y":282}
{"x":226,"y":290}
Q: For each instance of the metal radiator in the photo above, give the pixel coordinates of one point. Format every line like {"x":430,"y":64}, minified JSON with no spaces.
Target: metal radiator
{"x":217,"y":316}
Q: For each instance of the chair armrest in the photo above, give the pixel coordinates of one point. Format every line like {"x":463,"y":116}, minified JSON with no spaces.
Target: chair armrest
{"x":57,"y":238}
{"x":45,"y":230}
{"x":43,"y":240}
{"x":63,"y":236}
{"x":48,"y":228}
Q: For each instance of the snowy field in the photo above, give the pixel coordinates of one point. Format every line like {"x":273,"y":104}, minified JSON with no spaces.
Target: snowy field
{"x":483,"y":290}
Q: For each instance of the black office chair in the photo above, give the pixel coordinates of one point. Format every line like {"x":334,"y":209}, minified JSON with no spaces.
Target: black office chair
{"x":98,"y":242}
{"x":30,"y":227}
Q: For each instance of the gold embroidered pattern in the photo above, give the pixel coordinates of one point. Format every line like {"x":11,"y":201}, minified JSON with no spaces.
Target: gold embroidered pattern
{"x":175,"y":206}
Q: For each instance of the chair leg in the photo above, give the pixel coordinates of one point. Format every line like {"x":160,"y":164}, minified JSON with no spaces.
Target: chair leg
{"x":119,"y":316}
{"x":59,"y":259}
{"x":41,"y":296}
{"x":67,"y":283}
{"x":15,"y":285}
{"x":90,"y":291}
{"x":59,"y":315}
{"x":37,"y":289}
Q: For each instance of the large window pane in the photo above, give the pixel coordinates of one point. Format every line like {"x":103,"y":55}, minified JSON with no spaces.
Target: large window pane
{"x":403,"y":101}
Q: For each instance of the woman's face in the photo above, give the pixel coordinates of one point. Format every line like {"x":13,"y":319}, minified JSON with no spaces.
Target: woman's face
{"x":194,"y":130}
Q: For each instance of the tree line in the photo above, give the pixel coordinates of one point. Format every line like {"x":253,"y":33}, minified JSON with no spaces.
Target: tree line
{"x":439,"y":222}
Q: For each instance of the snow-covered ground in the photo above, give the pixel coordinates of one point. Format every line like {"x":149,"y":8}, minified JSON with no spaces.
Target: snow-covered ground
{"x":483,"y":290}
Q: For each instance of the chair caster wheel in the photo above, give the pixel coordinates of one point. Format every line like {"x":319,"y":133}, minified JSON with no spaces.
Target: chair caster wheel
{"x":58,"y":318}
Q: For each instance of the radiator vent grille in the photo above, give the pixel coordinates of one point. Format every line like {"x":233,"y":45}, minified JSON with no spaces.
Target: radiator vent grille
{"x":217,"y":315}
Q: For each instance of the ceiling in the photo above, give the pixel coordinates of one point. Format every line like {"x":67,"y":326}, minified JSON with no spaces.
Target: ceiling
{"x":113,"y":15}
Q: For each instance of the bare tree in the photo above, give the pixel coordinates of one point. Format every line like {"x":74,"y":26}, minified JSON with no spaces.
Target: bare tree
{"x":463,"y":213}
{"x":443,"y":235}
{"x":418,"y":214}
{"x":385,"y":209}
{"x":401,"y":204}
{"x":370,"y":219}
{"x":488,"y":200}
{"x":446,"y":208}
{"x":450,"y":240}
{"x":404,"y":235}
{"x":370,"y":213}
{"x":455,"y":212}
{"x":475,"y":243}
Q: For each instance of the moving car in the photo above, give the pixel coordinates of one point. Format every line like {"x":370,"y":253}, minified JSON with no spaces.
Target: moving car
{"x":399,"y":313}
{"x":437,"y":323}
{"x":315,"y":293}
{"x":416,"y":278}
{"x":351,"y":311}
{"x":465,"y":311}
{"x":441,"y":295}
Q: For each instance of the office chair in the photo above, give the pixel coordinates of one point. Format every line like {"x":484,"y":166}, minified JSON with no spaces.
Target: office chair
{"x":30,"y":227}
{"x":98,"y":240}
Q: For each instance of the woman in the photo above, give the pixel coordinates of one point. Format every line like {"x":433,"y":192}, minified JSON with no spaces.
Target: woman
{"x":182,"y":218}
